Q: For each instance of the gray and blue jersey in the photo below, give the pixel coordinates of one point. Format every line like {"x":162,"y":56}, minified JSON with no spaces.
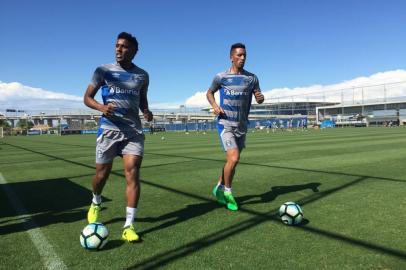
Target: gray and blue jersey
{"x":236,"y":92}
{"x":123,"y":88}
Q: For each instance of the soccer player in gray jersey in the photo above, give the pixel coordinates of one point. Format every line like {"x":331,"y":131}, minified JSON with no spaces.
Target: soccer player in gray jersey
{"x":236,"y":87}
{"x":124,"y":89}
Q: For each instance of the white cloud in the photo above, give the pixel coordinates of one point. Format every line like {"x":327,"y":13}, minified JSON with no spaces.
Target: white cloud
{"x":199,"y":100}
{"x":376,"y":87}
{"x":15,"y":95}
{"x":367,"y":88}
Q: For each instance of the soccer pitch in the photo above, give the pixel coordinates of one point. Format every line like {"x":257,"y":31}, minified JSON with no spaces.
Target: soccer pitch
{"x":349,"y":182}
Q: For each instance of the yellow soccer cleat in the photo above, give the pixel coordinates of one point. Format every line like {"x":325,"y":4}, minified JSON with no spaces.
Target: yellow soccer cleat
{"x":93,"y":213}
{"x":130,"y":235}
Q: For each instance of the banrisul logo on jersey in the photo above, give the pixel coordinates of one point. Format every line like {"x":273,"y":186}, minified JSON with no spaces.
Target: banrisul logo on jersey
{"x":117,"y":90}
{"x":235,"y":93}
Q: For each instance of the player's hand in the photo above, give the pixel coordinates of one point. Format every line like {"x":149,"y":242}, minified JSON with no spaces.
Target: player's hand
{"x":259,"y":97}
{"x":108,"y":110}
{"x":148,"y":115}
{"x":218,"y":110}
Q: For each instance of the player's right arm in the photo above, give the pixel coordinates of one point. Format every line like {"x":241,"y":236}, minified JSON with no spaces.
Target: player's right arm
{"x":215,"y":85}
{"x":89,"y":101}
{"x":216,"y":108}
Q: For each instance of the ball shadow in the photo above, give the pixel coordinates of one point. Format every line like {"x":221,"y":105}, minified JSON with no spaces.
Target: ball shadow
{"x":303,"y":223}
{"x":112,"y":244}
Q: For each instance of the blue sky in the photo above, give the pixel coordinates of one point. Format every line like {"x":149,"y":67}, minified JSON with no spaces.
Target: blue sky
{"x":56,"y":45}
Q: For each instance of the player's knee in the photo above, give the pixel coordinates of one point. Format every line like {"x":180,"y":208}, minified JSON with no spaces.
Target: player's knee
{"x":133,"y":183}
{"x":234,"y":159}
{"x":130,"y":172}
{"x":101,"y":175}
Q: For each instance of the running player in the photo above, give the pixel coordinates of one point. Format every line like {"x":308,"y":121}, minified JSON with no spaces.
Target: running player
{"x":236,"y":86}
{"x":124,"y":89}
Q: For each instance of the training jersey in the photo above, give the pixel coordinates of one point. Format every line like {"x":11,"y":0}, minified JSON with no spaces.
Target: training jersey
{"x":235,"y":97}
{"x":123,"y":88}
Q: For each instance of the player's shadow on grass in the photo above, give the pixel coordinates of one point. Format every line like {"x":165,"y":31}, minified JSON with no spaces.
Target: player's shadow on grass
{"x":179,"y":216}
{"x":175,"y":217}
{"x":275,"y":192}
{"x":31,"y":204}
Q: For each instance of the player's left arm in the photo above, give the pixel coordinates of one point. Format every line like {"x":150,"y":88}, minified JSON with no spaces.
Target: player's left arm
{"x":259,"y":97}
{"x":144,"y":102}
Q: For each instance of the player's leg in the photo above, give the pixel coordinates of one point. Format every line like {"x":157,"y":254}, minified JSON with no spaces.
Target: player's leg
{"x":101,"y":176}
{"x":132,"y":166}
{"x":98,"y":182}
{"x":132,"y":151}
{"x":106,"y":150}
{"x":233,"y":156}
{"x":218,"y":190}
{"x":232,"y":144}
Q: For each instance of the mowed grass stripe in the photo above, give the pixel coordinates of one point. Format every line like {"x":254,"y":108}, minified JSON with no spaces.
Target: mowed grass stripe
{"x":180,"y":171}
{"x":46,"y":251}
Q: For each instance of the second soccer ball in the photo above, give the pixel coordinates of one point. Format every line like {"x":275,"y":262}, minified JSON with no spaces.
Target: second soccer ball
{"x":291,"y":213}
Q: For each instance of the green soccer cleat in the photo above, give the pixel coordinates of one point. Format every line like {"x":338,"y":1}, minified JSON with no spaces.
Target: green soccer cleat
{"x":219,"y":194}
{"x":231,"y":203}
{"x":130,"y":235}
{"x":93,"y":213}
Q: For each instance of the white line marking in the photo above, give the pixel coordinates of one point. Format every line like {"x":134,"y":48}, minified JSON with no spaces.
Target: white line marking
{"x":45,"y":249}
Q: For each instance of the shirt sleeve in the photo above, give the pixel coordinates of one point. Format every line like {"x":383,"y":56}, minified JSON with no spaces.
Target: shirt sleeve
{"x":146,"y":84}
{"x":143,"y":104}
{"x":216,"y":84}
{"x":256,"y":84}
{"x":98,"y":78}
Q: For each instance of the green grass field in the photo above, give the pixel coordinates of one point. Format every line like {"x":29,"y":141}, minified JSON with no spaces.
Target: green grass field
{"x":350,"y":183}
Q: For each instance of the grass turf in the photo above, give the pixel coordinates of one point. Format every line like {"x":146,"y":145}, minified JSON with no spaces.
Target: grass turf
{"x":349,"y":182}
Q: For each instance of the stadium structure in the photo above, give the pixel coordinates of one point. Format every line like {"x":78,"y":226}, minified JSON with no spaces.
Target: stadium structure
{"x":377,"y":105}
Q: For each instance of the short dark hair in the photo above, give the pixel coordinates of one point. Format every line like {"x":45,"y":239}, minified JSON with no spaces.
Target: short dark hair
{"x":235,"y":46}
{"x":130,"y":38}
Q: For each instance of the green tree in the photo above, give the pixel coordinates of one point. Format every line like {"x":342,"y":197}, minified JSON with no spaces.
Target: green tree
{"x":90,"y":125}
{"x":4,"y":123}
{"x":25,"y":124}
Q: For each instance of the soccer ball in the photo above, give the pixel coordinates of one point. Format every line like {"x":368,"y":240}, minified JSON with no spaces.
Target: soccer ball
{"x":291,"y":213}
{"x":94,"y":236}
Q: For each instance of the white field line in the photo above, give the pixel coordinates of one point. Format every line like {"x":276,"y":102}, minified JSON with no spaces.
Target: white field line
{"x":50,"y":259}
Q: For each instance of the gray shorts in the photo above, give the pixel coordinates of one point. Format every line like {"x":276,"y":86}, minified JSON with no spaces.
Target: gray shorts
{"x":231,"y":137}
{"x":112,"y":143}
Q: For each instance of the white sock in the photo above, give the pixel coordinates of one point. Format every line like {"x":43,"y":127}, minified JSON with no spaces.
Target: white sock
{"x":130,"y":216}
{"x":96,"y":199}
{"x":227,"y":189}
